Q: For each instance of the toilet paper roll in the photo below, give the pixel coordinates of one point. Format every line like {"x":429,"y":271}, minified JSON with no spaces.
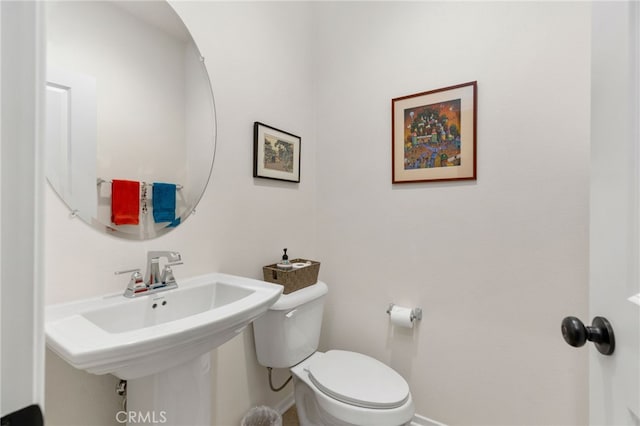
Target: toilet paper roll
{"x":284,"y":266}
{"x":401,"y":317}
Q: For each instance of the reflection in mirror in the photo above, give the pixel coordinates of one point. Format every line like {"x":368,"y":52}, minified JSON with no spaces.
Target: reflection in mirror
{"x":128,"y":99}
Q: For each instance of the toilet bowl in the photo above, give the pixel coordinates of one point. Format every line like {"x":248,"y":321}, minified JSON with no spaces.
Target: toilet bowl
{"x":336,"y":388}
{"x":341,"y":388}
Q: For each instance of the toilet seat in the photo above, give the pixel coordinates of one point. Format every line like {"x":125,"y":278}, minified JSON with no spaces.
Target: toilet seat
{"x":359,"y":380}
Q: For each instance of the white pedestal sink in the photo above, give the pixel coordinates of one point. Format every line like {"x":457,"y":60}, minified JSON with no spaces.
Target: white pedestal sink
{"x":159,"y":343}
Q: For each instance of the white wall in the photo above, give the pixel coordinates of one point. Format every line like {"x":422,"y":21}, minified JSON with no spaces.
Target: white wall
{"x":257,"y":60}
{"x":495,"y":264}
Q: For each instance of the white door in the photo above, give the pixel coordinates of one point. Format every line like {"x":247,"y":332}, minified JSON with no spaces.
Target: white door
{"x":21,"y":191}
{"x":614,"y":381}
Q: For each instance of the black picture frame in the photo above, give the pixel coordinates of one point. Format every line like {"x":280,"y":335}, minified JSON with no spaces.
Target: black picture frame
{"x":276,"y":153}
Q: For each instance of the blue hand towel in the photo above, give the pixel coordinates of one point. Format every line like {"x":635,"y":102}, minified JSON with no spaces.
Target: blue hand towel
{"x":164,"y":202}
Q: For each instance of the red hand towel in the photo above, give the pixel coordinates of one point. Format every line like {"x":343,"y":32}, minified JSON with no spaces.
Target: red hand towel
{"x":125,"y":202}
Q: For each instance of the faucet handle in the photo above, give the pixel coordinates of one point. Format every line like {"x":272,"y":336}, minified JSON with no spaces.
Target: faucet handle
{"x":167,"y":276}
{"x":126,"y":271}
{"x":136,"y":283}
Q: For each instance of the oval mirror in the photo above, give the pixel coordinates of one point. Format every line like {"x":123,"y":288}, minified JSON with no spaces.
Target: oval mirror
{"x":130,"y":118}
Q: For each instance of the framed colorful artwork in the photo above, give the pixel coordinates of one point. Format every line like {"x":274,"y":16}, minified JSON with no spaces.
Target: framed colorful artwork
{"x":434,"y":135}
{"x":276,"y":153}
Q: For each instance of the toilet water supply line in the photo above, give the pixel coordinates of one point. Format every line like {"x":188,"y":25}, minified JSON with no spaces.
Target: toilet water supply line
{"x":271,"y":382}
{"x":121,"y":389}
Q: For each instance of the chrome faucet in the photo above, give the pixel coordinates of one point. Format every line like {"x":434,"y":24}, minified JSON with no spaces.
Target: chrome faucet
{"x":153,"y":281}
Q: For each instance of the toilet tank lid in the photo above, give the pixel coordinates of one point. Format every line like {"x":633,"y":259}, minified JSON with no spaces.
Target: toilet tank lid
{"x":299,"y":297}
{"x":358,"y":379}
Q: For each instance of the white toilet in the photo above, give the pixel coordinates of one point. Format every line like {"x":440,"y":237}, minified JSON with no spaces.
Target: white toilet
{"x":336,"y":388}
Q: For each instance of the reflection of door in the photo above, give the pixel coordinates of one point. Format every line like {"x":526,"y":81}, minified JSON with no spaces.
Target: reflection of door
{"x":71,"y":139}
{"x":615,"y":193}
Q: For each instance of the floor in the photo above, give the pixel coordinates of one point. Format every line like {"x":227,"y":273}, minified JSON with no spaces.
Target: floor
{"x":290,"y":417}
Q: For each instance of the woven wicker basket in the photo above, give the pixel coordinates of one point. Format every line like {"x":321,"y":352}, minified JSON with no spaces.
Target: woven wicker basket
{"x":293,"y":279}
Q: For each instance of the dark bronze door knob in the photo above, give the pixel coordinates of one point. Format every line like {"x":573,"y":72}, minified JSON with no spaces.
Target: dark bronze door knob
{"x":600,"y":333}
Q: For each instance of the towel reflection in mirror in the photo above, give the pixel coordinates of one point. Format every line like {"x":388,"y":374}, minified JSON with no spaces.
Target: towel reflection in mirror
{"x":129,"y":199}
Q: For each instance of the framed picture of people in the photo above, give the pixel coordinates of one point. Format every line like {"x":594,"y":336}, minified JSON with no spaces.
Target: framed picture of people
{"x":434,"y":135}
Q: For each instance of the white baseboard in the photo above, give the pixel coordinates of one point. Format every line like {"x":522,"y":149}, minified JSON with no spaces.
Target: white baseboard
{"x":417,"y":420}
{"x":285,"y":404}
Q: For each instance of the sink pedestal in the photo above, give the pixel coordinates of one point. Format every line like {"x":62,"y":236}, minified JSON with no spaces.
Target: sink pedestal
{"x":179,"y":396}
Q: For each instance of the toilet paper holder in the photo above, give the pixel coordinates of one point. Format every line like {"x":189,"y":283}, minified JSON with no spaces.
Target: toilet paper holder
{"x":416,"y":313}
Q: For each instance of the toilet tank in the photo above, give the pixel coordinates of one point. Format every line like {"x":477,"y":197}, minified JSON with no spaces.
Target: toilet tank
{"x":289,"y":331}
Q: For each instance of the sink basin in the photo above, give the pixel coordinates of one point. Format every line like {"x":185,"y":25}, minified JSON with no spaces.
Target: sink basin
{"x":133,"y":338}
